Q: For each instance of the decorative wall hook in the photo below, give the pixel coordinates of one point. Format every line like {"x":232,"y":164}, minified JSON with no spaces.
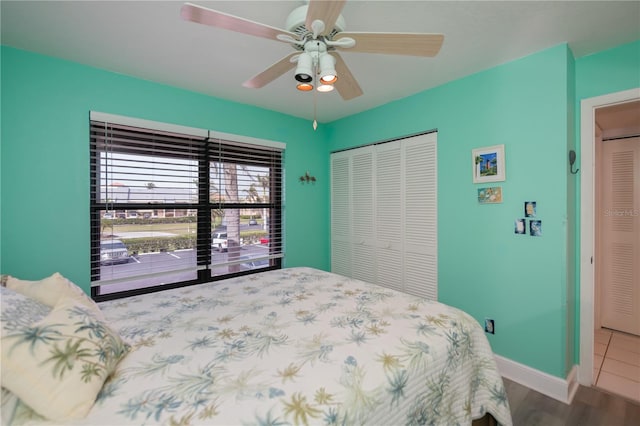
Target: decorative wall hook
{"x":572,"y":160}
{"x":307,"y":178}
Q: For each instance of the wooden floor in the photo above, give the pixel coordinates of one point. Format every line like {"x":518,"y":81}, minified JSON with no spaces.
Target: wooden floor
{"x":590,"y":407}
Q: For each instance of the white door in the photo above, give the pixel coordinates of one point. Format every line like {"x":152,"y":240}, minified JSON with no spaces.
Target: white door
{"x":384,"y":214}
{"x":389,"y":206}
{"x":363,"y":250}
{"x":421,"y":216}
{"x":620,"y":235}
{"x":341,"y":213}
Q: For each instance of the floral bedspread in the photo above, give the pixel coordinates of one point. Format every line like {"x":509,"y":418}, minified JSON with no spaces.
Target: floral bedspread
{"x":297,"y":346}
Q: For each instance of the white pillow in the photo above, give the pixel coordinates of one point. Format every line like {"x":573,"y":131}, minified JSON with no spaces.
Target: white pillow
{"x":8,"y":406}
{"x":58,"y":365}
{"x":51,"y":290}
{"x":19,"y":310}
{"x":16,"y":312}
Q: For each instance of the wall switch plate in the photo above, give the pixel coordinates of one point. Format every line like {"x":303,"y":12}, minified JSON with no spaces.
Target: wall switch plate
{"x":489,"y":326}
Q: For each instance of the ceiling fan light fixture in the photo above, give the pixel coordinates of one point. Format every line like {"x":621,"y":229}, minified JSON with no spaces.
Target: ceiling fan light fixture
{"x":328,"y":74}
{"x":303,"y":77}
{"x":305,"y":87}
{"x":329,"y":79}
{"x":304,"y":71}
{"x":325,"y":88}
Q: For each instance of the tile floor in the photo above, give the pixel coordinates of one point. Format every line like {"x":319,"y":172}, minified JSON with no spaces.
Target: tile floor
{"x":616,"y":363}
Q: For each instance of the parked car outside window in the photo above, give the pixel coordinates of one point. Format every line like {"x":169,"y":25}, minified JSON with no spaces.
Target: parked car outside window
{"x":219,"y":241}
{"x":254,"y":263}
{"x":113,"y":251}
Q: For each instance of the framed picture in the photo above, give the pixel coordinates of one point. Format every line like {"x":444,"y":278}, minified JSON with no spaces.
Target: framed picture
{"x":520,"y":226}
{"x":491,"y":195}
{"x":530,"y":209}
{"x":488,"y":164}
{"x":535,"y":228}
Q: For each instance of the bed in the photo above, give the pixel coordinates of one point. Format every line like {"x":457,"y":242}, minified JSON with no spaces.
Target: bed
{"x":292,"y":346}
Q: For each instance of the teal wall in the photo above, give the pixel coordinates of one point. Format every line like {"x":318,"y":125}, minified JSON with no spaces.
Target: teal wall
{"x":44,"y":204}
{"x":610,"y":71}
{"x":528,"y":285}
{"x":572,"y":208}
{"x":483,"y":267}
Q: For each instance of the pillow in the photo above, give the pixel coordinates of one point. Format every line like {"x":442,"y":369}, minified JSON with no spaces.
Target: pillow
{"x":58,"y":365}
{"x":19,"y":311}
{"x":8,"y":406}
{"x":51,"y":290}
{"x":14,"y":411}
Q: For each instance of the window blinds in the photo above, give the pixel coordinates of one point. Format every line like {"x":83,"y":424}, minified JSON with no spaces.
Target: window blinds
{"x":165,"y":196}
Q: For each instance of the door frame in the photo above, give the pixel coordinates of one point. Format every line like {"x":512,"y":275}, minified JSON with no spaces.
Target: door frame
{"x":588,"y":109}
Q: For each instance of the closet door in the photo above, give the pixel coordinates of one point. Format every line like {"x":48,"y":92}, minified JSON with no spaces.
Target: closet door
{"x":341,"y":213}
{"x":420,"y":214}
{"x":384,"y":214}
{"x":389,"y":214}
{"x":620,"y":236}
{"x":363,"y":232}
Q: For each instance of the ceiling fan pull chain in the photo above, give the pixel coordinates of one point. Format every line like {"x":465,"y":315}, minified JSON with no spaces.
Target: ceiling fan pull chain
{"x":315,"y":109}
{"x":315,"y":95}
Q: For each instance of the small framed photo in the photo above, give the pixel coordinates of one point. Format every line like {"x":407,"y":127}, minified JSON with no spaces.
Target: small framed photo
{"x":488,"y":164}
{"x":492,"y":195}
{"x":530,"y":209}
{"x":535,"y":228}
{"x":520,"y":226}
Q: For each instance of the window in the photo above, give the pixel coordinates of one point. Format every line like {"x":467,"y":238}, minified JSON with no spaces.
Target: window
{"x":175,"y":206}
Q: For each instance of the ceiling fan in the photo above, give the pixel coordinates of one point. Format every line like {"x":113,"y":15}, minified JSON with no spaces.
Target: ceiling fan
{"x":316,"y":32}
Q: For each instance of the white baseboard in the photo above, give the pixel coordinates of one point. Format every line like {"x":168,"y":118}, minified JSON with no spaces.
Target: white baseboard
{"x":561,"y":389}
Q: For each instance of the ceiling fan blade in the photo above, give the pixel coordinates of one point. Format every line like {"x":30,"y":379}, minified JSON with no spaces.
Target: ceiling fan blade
{"x":411,"y":44}
{"x":346,"y":85}
{"x":326,"y":11}
{"x":214,"y":18}
{"x":271,"y":73}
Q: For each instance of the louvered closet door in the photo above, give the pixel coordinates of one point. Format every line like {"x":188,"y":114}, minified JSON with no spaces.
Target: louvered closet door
{"x":421,"y":216}
{"x":341,"y":213}
{"x":620,"y":235}
{"x":363,"y":255}
{"x":384,"y":214}
{"x":389,"y":210}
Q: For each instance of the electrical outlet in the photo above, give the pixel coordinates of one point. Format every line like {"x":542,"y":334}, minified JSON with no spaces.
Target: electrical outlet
{"x":489,"y":326}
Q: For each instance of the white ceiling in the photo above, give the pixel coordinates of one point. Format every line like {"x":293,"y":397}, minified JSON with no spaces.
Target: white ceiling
{"x":149,"y":40}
